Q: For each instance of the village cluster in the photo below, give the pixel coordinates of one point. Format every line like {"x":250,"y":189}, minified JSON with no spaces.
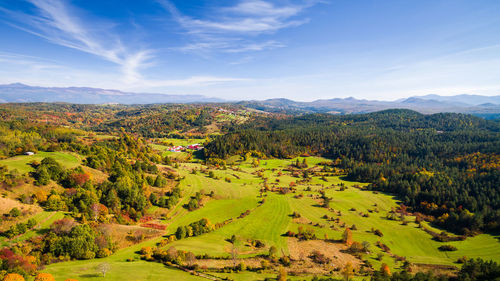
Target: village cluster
{"x":180,"y":148}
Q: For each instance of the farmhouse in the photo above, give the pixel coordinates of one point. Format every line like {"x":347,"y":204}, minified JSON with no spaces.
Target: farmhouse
{"x":29,"y":153}
{"x":178,"y":148}
{"x":195,"y":146}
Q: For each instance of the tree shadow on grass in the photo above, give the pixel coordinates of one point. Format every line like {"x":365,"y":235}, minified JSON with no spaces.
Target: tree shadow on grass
{"x":199,"y":154}
{"x":91,"y":275}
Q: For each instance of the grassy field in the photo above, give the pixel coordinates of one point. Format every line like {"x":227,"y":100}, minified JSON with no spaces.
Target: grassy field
{"x":44,"y":220}
{"x":266,"y":223}
{"x":120,"y":270}
{"x":21,"y":162}
{"x":270,"y":218}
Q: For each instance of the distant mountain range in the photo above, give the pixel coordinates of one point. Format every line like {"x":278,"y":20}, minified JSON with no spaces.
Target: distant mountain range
{"x":486,"y":106}
{"x":23,"y":93}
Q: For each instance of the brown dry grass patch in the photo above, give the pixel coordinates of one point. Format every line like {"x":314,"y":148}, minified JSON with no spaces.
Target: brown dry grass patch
{"x":6,"y":204}
{"x":121,"y":233}
{"x":219,"y":263}
{"x":301,"y":250}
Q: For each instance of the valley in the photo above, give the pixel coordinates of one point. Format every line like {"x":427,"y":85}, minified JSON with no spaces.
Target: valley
{"x":144,"y":212}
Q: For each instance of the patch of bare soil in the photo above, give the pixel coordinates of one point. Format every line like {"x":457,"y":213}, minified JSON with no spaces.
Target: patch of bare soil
{"x":6,"y":204}
{"x":27,"y":189}
{"x":96,"y":175}
{"x":300,"y":252}
{"x":302,"y":220}
{"x":219,"y":263}
{"x":301,"y":261}
{"x":436,"y":269}
{"x":128,"y":235}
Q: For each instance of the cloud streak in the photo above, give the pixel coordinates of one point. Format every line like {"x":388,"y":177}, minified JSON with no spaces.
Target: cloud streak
{"x":60,"y":24}
{"x":33,"y":63}
{"x":236,"y":29}
{"x":55,"y":22}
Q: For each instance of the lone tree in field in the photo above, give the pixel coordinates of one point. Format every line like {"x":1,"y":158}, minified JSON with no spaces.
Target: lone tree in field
{"x":104,"y":268}
{"x":190,"y":259}
{"x":385,"y":270}
{"x":347,"y":237}
{"x":232,"y":239}
{"x":348,"y":271}
{"x":234,"y":255}
{"x":273,"y":251}
{"x":282,"y":274}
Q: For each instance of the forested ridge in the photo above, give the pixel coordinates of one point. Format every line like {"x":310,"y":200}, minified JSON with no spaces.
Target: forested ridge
{"x":150,"y":121}
{"x":445,"y":166}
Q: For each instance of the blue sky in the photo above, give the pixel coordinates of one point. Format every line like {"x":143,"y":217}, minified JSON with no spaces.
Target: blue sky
{"x":255,"y":49}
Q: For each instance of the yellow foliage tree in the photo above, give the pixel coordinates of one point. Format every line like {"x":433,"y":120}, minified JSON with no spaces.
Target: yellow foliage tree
{"x":348,"y":271}
{"x":282,"y":274}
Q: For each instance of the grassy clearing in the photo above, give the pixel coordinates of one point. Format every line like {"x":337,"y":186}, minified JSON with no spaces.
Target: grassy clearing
{"x":21,"y":162}
{"x":266,"y":223}
{"x":120,"y":271}
{"x":182,"y":142}
{"x":403,"y":240}
{"x":44,"y":220}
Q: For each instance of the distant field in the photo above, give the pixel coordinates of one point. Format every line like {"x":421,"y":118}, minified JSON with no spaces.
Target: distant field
{"x":21,"y":162}
{"x":104,"y":137}
{"x":183,"y":142}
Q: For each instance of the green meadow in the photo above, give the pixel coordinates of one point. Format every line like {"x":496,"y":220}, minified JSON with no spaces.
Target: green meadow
{"x":237,"y":189}
{"x":21,"y":163}
{"x":44,"y":220}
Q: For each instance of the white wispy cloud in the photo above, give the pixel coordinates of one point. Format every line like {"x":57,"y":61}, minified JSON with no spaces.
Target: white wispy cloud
{"x":55,"y":22}
{"x":191,"y":81}
{"x":248,"y":16}
{"x":34,"y":63}
{"x":38,"y":71}
{"x":236,"y":29}
{"x":255,"y":47}
{"x":264,"y":8}
{"x":231,"y":46}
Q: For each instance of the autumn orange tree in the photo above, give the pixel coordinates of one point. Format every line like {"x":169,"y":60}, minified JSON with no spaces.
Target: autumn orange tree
{"x":13,"y":277}
{"x":385,"y":270}
{"x":347,"y":237}
{"x":44,"y":277}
